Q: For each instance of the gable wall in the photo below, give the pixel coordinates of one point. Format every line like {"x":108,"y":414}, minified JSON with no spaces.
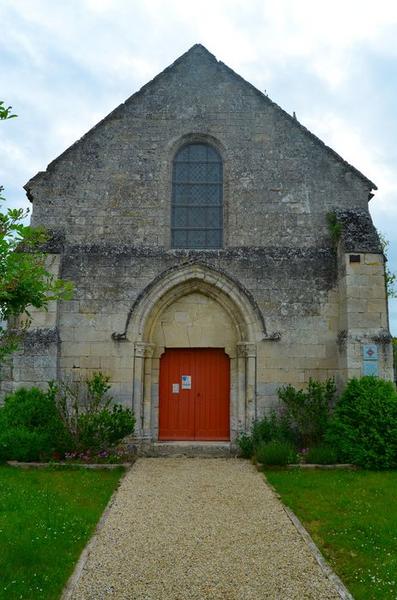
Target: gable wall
{"x":115,"y":185}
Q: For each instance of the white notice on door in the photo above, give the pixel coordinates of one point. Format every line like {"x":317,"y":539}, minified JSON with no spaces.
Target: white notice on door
{"x":186,"y":382}
{"x":175,"y":388}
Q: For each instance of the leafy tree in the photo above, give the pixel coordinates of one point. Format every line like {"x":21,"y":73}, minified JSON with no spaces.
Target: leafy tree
{"x":24,"y":277}
{"x":5,"y":112}
{"x":390,"y":277}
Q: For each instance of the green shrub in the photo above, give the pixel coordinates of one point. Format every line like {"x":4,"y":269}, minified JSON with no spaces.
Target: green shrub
{"x":30,"y":427}
{"x":94,"y":423}
{"x":363,"y":429}
{"x":309,"y":409}
{"x":275,"y":453}
{"x":101,"y":430}
{"x":20,"y":443}
{"x":246,"y":445}
{"x":321,"y":455}
{"x":274,"y":426}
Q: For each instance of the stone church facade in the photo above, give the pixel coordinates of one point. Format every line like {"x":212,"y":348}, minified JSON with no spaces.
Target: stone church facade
{"x":196,"y":223}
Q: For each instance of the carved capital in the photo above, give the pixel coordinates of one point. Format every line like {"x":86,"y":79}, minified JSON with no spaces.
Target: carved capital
{"x":246,"y":349}
{"x":143,"y":349}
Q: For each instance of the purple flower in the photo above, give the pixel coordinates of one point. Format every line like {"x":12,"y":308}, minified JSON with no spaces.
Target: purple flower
{"x":70,"y":455}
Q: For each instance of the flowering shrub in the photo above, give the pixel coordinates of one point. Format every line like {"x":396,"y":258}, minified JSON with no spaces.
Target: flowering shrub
{"x":71,"y":420}
{"x":113,"y":455}
{"x":93,"y":421}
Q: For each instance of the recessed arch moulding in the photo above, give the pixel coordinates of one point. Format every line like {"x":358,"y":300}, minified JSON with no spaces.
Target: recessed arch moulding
{"x":194,"y":306}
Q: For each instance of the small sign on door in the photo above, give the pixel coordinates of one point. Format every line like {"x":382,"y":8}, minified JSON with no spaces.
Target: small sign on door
{"x":186,"y":382}
{"x":175,"y":388}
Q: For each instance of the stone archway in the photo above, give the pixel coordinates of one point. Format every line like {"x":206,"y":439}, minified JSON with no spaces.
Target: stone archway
{"x":242,"y":328}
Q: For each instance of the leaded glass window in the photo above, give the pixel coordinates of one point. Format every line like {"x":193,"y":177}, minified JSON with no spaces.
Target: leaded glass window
{"x":197,"y":198}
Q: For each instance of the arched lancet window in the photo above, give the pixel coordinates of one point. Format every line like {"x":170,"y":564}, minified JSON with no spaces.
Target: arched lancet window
{"x":197,"y":197}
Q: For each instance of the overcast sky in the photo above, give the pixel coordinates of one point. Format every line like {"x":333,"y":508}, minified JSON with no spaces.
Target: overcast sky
{"x":64,"y":64}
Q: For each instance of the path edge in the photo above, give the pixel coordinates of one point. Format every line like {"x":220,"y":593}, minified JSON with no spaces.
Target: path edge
{"x":340,"y":587}
{"x":74,"y":578}
{"x":329,"y":572}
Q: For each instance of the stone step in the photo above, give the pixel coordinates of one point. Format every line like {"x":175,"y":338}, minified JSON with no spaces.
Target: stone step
{"x":189,"y":449}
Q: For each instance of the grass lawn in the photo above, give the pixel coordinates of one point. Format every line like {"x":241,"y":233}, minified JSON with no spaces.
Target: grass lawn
{"x":46,"y":518}
{"x":352,"y":517}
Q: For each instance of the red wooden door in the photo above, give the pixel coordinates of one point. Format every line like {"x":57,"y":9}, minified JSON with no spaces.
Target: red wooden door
{"x":194,"y":394}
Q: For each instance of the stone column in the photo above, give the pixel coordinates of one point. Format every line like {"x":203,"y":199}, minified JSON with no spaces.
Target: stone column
{"x":241,"y":400}
{"x":247,"y":363}
{"x":142,"y":387}
{"x":147,"y":392}
{"x":251,"y":385}
{"x":139,"y":353}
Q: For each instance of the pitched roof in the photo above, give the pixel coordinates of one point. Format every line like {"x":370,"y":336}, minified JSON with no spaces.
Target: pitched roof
{"x":202,"y":50}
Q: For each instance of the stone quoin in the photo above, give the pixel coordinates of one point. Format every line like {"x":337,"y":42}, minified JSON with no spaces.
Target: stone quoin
{"x":196,"y":216}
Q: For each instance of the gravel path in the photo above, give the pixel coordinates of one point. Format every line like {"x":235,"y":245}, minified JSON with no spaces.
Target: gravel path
{"x":196,"y":528}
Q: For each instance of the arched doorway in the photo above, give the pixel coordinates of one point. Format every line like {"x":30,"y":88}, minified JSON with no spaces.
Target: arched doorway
{"x":194,"y":307}
{"x":197,"y":335}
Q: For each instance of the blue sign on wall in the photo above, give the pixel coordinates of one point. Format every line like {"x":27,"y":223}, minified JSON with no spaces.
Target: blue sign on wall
{"x":370,"y":352}
{"x":370,"y":367}
{"x":370,"y":359}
